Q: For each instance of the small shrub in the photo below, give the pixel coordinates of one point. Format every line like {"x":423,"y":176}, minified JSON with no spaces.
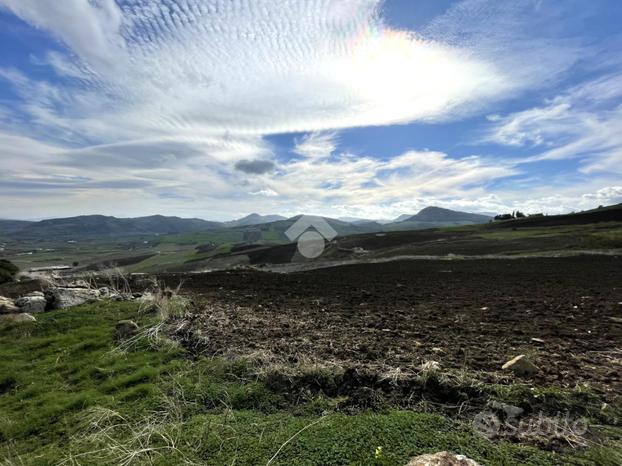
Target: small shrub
{"x":8,"y":270}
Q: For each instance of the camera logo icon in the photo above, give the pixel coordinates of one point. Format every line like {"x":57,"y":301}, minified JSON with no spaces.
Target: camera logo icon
{"x":311,"y":233}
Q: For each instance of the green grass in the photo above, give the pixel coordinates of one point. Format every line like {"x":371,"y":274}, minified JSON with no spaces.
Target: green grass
{"x":65,"y":395}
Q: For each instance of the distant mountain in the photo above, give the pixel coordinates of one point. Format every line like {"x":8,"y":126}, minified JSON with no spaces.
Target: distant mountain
{"x":101,"y":225}
{"x":402,"y":217}
{"x":275,"y":231}
{"x":438,"y":214}
{"x":10,"y":226}
{"x":254,"y":219}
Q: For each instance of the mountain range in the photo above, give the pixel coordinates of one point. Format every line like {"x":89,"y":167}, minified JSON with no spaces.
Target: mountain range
{"x":108,"y":226}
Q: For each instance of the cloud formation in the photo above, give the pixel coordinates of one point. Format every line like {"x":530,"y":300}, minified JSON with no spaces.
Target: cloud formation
{"x":583,"y":123}
{"x":262,"y":67}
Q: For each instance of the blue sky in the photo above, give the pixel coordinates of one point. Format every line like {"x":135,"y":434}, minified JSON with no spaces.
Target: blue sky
{"x":361,"y":108}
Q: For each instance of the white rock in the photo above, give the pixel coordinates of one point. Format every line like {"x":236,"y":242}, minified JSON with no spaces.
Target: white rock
{"x":7,"y":306}
{"x":18,"y":318}
{"x":32,"y":304}
{"x":442,"y":458}
{"x":520,"y":365}
{"x":69,"y":297}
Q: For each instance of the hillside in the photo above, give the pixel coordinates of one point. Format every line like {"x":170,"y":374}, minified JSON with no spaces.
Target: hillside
{"x":588,"y":232}
{"x":10,"y":226}
{"x":100,"y":225}
{"x":611,"y":213}
{"x":169,"y":243}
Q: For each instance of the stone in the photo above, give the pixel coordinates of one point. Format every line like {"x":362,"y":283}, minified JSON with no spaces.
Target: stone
{"x":17,"y":318}
{"x":521,"y":365}
{"x":442,"y":458}
{"x":125,"y":329}
{"x":78,"y":284}
{"x":68,"y":297}
{"x":7,"y":306}
{"x":32,"y":303}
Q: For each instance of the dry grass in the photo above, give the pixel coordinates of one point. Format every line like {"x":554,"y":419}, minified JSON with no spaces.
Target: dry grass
{"x":169,"y":310}
{"x":107,"y":437}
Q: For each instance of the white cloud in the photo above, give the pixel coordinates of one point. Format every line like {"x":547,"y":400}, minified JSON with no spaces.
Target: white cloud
{"x":519,"y":37}
{"x":184,"y":181}
{"x":316,"y":145}
{"x":91,"y":29}
{"x":583,"y":123}
{"x":261,"y":67}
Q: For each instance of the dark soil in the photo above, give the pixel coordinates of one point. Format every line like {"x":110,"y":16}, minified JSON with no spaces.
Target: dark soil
{"x":472,"y":315}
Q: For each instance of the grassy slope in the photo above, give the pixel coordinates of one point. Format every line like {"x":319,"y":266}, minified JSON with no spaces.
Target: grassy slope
{"x":65,"y":396}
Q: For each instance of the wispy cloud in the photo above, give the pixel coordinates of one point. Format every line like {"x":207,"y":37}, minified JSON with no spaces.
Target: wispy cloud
{"x":262,"y":67}
{"x":583,"y":123}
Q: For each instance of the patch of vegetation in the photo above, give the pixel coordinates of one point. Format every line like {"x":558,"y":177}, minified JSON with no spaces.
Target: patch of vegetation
{"x":70,"y":395}
{"x":8,"y":270}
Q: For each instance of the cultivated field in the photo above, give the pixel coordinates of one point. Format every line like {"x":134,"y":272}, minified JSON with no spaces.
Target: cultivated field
{"x":470,"y":315}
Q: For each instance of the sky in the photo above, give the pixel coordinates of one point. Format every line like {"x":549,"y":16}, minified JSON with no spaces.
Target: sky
{"x":343,"y":108}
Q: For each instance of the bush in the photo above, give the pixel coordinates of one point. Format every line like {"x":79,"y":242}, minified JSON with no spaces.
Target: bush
{"x":7,"y":271}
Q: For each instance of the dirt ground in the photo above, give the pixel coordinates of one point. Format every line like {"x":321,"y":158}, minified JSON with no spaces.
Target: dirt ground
{"x":472,"y":315}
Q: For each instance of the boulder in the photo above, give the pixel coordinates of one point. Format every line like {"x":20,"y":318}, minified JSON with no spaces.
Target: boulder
{"x":521,"y":365}
{"x":68,"y":297}
{"x":125,"y":329}
{"x":18,"y":318}
{"x":442,"y":458}
{"x":32,"y":302}
{"x":7,"y":306}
